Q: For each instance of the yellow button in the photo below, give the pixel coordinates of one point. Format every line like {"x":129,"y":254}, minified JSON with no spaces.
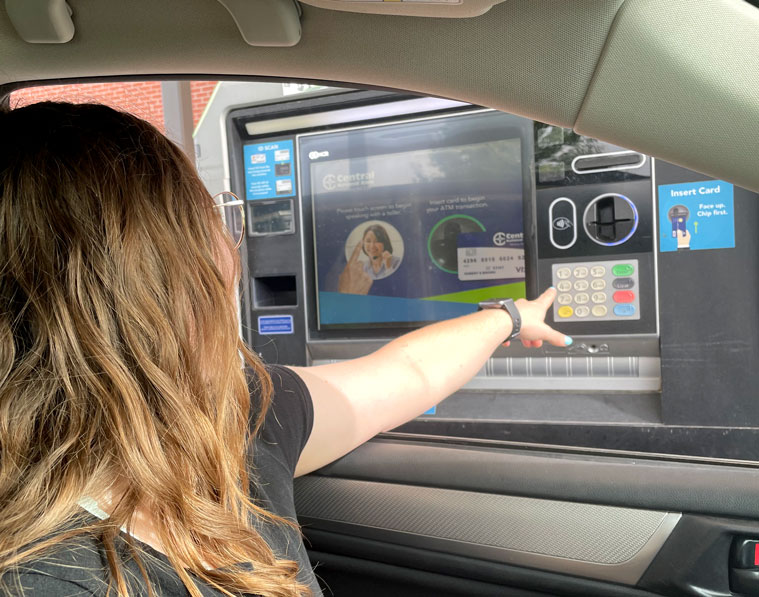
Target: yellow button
{"x":565,"y":311}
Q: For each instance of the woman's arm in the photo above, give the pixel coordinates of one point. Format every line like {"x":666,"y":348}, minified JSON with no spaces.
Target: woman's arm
{"x":354,"y":400}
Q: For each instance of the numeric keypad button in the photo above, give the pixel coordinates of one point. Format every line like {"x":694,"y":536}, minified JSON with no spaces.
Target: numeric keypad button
{"x":580,"y":272}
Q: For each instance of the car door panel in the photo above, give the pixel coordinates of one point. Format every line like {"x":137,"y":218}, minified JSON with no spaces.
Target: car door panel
{"x":569,"y":522}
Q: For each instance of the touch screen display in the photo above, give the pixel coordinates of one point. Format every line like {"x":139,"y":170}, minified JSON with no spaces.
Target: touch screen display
{"x":415,"y":221}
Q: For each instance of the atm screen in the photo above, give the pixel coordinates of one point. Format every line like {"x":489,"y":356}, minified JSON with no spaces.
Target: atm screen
{"x":415,"y":221}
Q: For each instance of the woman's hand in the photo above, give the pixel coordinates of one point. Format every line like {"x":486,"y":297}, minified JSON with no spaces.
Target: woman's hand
{"x":535,"y":330}
{"x":387,"y":257}
{"x":353,"y":279}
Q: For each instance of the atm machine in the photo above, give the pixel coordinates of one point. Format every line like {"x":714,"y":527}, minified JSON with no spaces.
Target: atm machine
{"x":371,"y":213}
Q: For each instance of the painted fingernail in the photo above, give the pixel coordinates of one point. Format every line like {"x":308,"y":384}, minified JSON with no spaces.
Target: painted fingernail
{"x":568,"y":341}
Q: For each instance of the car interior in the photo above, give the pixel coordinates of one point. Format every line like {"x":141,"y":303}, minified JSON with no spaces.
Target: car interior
{"x":495,"y":148}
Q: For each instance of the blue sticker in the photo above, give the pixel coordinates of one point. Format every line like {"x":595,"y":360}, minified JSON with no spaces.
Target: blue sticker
{"x":269,"y":170}
{"x":430,"y":412}
{"x":275,"y":324}
{"x":696,"y":215}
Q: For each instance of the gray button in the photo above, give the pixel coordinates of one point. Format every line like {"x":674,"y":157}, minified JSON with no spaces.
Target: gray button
{"x":623,"y":283}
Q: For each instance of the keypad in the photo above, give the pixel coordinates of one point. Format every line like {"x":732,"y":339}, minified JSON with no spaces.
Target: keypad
{"x":597,"y":291}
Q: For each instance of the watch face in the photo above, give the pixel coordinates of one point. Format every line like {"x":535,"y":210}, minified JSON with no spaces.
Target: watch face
{"x":491,"y":304}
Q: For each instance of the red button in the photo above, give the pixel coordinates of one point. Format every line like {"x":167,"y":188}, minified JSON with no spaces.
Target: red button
{"x":624,"y":296}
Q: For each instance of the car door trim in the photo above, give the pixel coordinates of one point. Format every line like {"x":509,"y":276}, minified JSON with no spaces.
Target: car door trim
{"x":600,"y":542}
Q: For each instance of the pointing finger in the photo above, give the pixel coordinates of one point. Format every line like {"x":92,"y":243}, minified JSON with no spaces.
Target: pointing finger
{"x":555,"y":337}
{"x":545,"y":299}
{"x":356,"y":251}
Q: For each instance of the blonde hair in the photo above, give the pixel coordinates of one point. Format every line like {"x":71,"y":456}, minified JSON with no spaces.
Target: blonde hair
{"x":119,"y":353}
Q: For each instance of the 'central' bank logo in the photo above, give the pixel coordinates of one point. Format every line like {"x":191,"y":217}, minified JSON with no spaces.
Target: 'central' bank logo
{"x":329,"y":182}
{"x":499,"y":239}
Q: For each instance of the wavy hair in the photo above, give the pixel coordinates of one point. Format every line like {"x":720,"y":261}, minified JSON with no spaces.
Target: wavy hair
{"x":120,"y":354}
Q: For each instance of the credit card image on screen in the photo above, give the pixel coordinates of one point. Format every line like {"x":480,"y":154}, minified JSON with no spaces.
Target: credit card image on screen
{"x":415,"y":221}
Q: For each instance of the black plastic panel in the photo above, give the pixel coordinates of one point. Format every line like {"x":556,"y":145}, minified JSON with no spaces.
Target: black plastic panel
{"x":710,"y":322}
{"x":695,"y":560}
{"x":348,"y":566}
{"x":741,"y":443}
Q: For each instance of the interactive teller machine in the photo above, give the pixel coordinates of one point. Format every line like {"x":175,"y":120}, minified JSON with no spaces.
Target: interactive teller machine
{"x":371,"y":213}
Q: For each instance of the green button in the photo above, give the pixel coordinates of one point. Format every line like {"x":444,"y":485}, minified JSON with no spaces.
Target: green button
{"x":623,"y":269}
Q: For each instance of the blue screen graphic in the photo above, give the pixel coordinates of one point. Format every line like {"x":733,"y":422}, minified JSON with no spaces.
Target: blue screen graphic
{"x":416,"y":222}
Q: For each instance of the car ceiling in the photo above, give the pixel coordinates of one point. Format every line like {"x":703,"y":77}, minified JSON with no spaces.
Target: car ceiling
{"x":677,"y":79}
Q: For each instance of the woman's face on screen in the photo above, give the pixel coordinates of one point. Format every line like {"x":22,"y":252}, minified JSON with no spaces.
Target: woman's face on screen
{"x":372,"y":247}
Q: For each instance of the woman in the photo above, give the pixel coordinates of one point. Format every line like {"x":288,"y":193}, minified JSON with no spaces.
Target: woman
{"x":377,"y":246}
{"x":136,"y":454}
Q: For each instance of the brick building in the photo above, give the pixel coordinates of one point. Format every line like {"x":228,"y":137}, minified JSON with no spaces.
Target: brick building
{"x":141,"y":98}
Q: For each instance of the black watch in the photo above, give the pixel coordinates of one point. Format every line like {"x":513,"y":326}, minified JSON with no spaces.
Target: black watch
{"x":508,"y":306}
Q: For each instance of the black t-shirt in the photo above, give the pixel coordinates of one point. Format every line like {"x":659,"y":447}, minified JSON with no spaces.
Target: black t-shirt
{"x":78,"y":567}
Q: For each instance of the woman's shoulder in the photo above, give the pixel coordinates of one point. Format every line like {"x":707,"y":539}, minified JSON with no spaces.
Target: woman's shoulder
{"x":39,"y":584}
{"x":78,"y":566}
{"x":73,"y":566}
{"x":289,"y":420}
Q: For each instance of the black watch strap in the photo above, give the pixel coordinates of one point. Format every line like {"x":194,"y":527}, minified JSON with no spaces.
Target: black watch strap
{"x":508,"y":306}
